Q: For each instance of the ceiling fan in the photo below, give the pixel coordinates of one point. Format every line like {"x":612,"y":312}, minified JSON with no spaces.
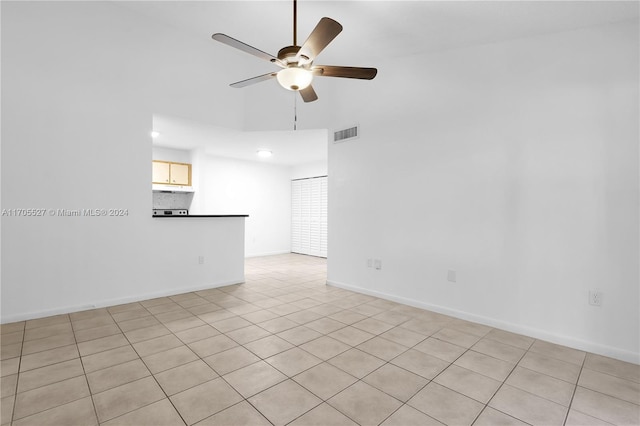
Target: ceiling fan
{"x":296,"y":62}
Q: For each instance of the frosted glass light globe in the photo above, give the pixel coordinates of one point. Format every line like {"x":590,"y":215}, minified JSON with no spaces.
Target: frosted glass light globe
{"x":294,"y":78}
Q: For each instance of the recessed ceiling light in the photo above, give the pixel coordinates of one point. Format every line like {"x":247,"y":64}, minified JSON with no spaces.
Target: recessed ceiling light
{"x":155,"y":134}
{"x":264,"y":153}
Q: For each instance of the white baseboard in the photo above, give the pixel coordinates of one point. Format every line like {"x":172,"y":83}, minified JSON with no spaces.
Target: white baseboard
{"x":114,"y":302}
{"x":596,"y":348}
{"x":271,"y":253}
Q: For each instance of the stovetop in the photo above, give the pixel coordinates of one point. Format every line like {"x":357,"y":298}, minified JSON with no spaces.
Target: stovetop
{"x":170,"y":212}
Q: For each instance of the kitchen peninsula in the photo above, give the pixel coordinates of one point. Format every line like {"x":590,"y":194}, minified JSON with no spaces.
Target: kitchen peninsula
{"x":207,"y":215}
{"x":197,"y":252}
{"x":200,"y":250}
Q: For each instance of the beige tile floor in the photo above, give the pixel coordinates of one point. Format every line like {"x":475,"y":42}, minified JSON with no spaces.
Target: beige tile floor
{"x":284,"y":348}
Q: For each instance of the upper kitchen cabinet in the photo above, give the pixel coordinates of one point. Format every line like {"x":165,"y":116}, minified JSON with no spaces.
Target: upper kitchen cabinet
{"x":169,"y":173}
{"x":180,"y":174}
{"x":161,"y":172}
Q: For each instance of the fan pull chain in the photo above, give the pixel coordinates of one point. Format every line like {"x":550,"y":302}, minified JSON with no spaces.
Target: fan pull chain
{"x":295,"y":111}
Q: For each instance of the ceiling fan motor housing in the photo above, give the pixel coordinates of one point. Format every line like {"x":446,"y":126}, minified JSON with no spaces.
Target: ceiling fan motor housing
{"x":289,"y":55}
{"x":296,"y":76}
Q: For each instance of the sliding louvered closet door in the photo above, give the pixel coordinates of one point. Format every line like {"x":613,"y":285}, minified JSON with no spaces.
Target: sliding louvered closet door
{"x":309,"y":216}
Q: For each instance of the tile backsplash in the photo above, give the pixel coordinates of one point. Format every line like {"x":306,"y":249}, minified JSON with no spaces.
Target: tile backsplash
{"x":172,"y":200}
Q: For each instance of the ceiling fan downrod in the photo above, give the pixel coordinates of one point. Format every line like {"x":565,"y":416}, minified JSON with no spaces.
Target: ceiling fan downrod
{"x":295,"y":22}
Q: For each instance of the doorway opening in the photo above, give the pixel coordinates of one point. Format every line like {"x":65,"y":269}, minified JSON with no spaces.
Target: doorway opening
{"x":309,"y":198}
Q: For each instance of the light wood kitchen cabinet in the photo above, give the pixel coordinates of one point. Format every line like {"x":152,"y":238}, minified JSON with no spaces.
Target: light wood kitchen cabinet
{"x":169,"y":173}
{"x":180,"y":174}
{"x":161,"y":172}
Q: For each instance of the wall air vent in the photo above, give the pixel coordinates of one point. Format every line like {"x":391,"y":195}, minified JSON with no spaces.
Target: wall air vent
{"x":346,"y":134}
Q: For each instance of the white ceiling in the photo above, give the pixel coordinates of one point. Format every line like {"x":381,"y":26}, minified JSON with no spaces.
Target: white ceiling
{"x":289,"y":148}
{"x":372,"y":29}
{"x":383,"y":28}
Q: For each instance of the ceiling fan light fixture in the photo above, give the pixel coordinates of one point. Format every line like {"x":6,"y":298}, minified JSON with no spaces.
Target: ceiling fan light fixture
{"x":294,"y":78}
{"x":296,"y":60}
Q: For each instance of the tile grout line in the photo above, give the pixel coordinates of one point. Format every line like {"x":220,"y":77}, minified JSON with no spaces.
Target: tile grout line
{"x":308,"y":292}
{"x":500,"y":387}
{"x":386,"y":362}
{"x":358,"y":379}
{"x":444,"y":369}
{"x":378,"y":335}
{"x":93,"y":403}
{"x":15,"y":399}
{"x":219,"y":376}
{"x":603,"y":394}
{"x":147,"y":367}
{"x":323,"y":401}
{"x":13,"y":419}
{"x":287,"y":377}
{"x":140,"y":358}
{"x":575,"y":388}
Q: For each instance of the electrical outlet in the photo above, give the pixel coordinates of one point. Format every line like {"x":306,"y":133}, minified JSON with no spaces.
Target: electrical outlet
{"x":378,"y":264}
{"x":201,"y":260}
{"x":595,"y":298}
{"x":451,"y":276}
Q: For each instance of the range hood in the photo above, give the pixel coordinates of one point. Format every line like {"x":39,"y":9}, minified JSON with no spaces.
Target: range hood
{"x":171,"y":188}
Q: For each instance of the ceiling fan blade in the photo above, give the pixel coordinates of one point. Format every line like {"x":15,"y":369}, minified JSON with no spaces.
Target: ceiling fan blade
{"x":230,"y":41}
{"x":344,"y":72}
{"x":326,"y":30}
{"x":253,"y":80}
{"x":308,"y":94}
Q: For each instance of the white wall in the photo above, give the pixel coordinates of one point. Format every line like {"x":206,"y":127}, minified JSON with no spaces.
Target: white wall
{"x":515,"y":164}
{"x":170,"y":154}
{"x":80,"y":83}
{"x":261,"y":190}
{"x":315,"y":169}
{"x":258,"y":188}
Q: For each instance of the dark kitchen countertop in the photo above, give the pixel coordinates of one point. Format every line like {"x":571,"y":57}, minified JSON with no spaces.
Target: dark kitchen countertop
{"x":207,"y":215}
